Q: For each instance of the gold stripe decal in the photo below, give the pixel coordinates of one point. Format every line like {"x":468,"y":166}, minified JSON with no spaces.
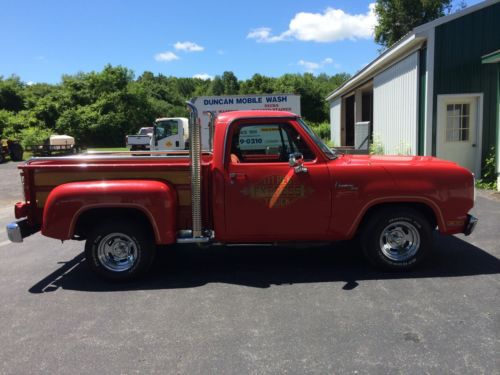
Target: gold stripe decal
{"x":184,"y":197}
{"x":53,"y":179}
{"x":58,"y":178}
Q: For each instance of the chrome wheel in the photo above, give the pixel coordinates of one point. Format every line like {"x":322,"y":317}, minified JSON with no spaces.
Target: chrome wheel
{"x":399,"y":241}
{"x":117,"y":252}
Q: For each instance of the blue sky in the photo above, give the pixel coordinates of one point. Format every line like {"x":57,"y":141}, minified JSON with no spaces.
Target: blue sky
{"x":41,"y":40}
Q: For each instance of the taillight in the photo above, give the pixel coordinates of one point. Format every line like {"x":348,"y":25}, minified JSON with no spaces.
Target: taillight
{"x":474,"y":185}
{"x":23,"y":186}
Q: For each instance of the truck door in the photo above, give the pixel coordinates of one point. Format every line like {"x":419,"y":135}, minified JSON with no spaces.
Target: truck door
{"x":168,"y":135}
{"x":266,"y":199}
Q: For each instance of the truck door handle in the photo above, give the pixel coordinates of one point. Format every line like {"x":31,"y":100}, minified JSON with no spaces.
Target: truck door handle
{"x":237,"y":176}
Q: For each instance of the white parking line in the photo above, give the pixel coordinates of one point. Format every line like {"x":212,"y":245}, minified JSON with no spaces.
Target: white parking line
{"x":4,"y":243}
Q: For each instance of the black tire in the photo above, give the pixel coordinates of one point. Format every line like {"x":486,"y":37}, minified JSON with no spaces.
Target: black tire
{"x":396,"y":238}
{"x":108,"y":242}
{"x":16,"y":152}
{"x":2,"y":157}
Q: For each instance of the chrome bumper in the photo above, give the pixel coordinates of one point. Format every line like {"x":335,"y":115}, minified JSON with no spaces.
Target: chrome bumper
{"x":18,"y":230}
{"x":14,"y":232}
{"x":470,"y":224}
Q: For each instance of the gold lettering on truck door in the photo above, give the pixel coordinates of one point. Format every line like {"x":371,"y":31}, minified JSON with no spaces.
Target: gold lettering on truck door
{"x":277,"y":191}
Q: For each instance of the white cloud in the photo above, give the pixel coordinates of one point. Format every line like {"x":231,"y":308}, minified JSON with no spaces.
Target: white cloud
{"x":188,"y":47}
{"x":221,"y":52}
{"x":203,"y":76}
{"x":330,"y":26}
{"x":166,"y":56}
{"x":263,"y":34}
{"x":311,"y":66}
{"x":30,"y":83}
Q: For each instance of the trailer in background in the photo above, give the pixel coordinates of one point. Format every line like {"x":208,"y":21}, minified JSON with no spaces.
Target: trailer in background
{"x":56,"y":145}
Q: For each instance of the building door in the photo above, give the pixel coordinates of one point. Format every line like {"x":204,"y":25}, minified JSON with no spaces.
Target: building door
{"x":458,"y":130}
{"x":349,"y":121}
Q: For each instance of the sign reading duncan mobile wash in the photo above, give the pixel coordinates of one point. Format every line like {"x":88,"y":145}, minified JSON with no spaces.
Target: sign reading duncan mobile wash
{"x":220,"y":104}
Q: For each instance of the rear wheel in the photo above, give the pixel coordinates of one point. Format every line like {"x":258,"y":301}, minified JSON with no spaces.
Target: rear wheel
{"x":119,"y":251}
{"x":16,"y":152}
{"x":397,"y":238}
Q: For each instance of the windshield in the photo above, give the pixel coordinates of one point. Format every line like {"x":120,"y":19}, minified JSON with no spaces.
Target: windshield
{"x":166,"y":128}
{"x":331,"y":154}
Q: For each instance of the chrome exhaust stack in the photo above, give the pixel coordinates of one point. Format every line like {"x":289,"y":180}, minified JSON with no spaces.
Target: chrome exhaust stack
{"x":196,"y":234}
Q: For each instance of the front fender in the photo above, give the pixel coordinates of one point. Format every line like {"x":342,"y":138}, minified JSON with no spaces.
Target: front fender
{"x":155,"y":199}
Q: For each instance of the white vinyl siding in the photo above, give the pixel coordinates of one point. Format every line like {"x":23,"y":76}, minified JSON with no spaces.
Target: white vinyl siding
{"x":395,"y":107}
{"x":335,"y":121}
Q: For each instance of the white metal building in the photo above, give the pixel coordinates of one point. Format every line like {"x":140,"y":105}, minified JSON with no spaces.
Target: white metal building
{"x":432,"y":93}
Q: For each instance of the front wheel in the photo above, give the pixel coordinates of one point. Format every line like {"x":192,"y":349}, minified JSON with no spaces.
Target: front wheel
{"x":119,"y":251}
{"x":397,"y":238}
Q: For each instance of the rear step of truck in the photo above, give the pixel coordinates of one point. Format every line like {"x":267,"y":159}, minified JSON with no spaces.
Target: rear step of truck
{"x":186,"y":236}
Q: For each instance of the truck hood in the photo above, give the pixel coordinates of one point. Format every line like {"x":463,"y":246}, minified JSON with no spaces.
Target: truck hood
{"x":396,"y":160}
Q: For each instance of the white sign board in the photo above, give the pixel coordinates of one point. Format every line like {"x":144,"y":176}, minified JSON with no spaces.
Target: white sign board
{"x":220,"y":104}
{"x":260,"y":137}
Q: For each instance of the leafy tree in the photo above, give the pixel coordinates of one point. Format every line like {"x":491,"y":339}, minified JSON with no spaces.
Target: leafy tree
{"x":32,"y":136}
{"x":217,"y":86}
{"x":100,"y":108}
{"x":230,"y":83}
{"x":4,"y":120}
{"x":398,"y":17}
{"x":258,"y":84}
{"x":11,"y":94}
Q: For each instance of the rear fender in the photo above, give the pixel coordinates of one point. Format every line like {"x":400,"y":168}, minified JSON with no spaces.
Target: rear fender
{"x":157,"y":200}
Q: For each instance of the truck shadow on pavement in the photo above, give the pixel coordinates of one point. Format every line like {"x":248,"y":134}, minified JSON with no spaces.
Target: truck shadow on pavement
{"x":261,"y":267}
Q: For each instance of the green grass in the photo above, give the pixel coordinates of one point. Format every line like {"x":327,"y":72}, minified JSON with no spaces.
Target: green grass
{"x":108,"y":149}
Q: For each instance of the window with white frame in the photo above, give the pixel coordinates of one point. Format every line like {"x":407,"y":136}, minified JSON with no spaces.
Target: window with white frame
{"x":458,"y":122}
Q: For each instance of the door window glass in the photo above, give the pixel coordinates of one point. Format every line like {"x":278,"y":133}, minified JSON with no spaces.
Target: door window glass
{"x":264,"y":143}
{"x":457,"y":122}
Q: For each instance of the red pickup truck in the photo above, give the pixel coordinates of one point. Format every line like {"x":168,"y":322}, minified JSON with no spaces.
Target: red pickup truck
{"x":268,"y":179}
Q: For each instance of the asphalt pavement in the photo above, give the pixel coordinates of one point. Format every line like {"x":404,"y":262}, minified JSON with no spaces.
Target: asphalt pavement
{"x":251,"y":310}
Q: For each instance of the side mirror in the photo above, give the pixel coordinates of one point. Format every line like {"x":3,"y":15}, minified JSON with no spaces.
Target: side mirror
{"x":296,"y":161}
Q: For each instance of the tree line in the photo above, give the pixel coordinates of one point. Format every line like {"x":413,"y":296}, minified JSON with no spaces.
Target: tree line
{"x":100,"y":108}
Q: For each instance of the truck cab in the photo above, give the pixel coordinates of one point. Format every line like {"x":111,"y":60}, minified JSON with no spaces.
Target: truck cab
{"x":170,"y":133}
